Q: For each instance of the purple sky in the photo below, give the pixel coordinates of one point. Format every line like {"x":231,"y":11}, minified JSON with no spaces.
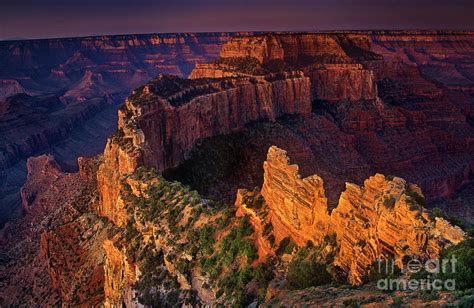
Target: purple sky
{"x":59,"y":18}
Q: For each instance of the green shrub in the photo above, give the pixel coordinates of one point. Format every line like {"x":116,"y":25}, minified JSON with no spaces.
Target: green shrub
{"x":385,"y":268}
{"x":247,"y":65}
{"x":130,"y":231}
{"x":416,"y":197}
{"x":248,"y":250}
{"x":263,"y":273}
{"x":361,"y":243}
{"x":271,"y":239}
{"x":429,"y":296}
{"x":466,"y":301}
{"x":286,"y":246}
{"x":234,"y":244}
{"x":397,"y":302}
{"x":244,"y":228}
{"x":183,"y":266}
{"x":276,"y":66}
{"x":389,"y":177}
{"x":463,"y":270}
{"x":331,"y":239}
{"x":413,"y":206}
{"x":470,"y":231}
{"x":307,"y":273}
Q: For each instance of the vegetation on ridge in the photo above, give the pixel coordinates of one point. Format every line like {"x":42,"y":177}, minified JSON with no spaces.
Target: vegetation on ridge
{"x":203,"y":236}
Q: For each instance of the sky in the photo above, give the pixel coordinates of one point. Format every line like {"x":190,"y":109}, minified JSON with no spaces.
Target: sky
{"x":67,"y":18}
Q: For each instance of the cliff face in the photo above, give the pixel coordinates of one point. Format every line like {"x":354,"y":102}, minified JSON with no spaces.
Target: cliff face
{"x":328,"y":59}
{"x":384,"y":218}
{"x":119,"y":277}
{"x":336,"y":82}
{"x":116,"y":163}
{"x":287,"y":47}
{"x":159,"y":130}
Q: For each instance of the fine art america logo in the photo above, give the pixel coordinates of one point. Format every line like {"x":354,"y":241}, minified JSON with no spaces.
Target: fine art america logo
{"x":417,"y":274}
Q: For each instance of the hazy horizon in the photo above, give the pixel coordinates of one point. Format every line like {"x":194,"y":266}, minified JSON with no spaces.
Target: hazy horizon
{"x":204,"y":32}
{"x":28,"y":19}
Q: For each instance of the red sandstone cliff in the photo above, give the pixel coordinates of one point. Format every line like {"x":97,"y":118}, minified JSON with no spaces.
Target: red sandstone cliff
{"x":287,"y":47}
{"x":336,"y":82}
{"x":328,"y":59}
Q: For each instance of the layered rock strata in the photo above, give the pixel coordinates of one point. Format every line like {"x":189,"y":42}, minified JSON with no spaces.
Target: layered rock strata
{"x":298,"y":204}
{"x":328,"y":59}
{"x":119,"y":277}
{"x":336,"y":82}
{"x":382,"y":219}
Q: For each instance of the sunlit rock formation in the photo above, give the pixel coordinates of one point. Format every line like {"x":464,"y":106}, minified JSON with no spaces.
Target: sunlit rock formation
{"x":384,"y":218}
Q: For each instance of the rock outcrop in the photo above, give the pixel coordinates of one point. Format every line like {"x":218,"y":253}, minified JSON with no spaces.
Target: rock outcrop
{"x":287,"y":47}
{"x":298,"y":206}
{"x":383,"y":219}
{"x":163,"y":120}
{"x":49,"y":170}
{"x":330,"y":60}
